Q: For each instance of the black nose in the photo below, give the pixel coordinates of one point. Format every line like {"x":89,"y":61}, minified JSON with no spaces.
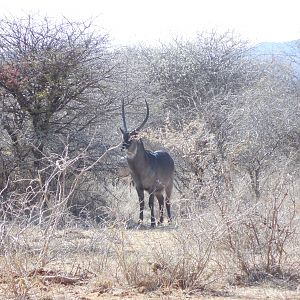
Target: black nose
{"x":125,"y":146}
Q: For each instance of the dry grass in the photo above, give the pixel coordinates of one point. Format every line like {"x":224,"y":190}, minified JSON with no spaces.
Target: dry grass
{"x":218,"y":252}
{"x":104,"y":263}
{"x":227,"y":247}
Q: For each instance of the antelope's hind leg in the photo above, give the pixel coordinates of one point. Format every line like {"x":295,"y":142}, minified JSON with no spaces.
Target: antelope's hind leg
{"x":151,"y":205}
{"x":168,"y":203}
{"x":160,"y":199}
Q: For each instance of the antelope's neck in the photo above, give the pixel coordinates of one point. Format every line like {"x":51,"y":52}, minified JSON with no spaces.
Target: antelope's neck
{"x":137,"y":157}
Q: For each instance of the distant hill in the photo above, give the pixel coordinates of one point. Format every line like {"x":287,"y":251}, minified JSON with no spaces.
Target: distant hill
{"x":286,"y":48}
{"x":280,"y":51}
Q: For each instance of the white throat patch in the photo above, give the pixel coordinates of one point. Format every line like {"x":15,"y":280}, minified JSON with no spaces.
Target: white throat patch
{"x":132,"y":154}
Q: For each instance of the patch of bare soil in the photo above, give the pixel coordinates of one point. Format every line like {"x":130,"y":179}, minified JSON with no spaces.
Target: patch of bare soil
{"x":59,"y":292}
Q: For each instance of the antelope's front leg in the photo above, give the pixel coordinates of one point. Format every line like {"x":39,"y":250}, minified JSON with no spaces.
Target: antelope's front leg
{"x":151,"y":205}
{"x":142,"y":204}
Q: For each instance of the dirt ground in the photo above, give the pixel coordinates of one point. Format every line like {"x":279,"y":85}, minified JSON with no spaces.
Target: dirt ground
{"x":58,"y":292}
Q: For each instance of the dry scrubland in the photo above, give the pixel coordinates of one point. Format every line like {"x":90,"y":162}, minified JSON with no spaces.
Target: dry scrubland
{"x":222,"y":251}
{"x":228,"y":115}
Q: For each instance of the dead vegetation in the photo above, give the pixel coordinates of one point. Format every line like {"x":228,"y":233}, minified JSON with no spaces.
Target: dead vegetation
{"x":176,"y":262}
{"x":68,"y":224}
{"x":226,"y":249}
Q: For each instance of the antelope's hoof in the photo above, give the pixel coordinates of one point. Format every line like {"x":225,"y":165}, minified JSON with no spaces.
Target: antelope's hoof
{"x":160,"y":223}
{"x":153,"y":225}
{"x":140,"y":223}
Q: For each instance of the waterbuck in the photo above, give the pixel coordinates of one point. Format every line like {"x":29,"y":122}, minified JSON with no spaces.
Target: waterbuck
{"x":151,"y":171}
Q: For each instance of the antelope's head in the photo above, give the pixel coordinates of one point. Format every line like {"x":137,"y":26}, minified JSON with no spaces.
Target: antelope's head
{"x":130,"y":138}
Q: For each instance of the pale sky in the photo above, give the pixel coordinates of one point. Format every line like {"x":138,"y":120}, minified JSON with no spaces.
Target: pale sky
{"x":134,"y":21}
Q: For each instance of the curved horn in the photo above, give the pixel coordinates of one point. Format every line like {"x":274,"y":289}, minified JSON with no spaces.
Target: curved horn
{"x":123,"y":116}
{"x":145,"y":120}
